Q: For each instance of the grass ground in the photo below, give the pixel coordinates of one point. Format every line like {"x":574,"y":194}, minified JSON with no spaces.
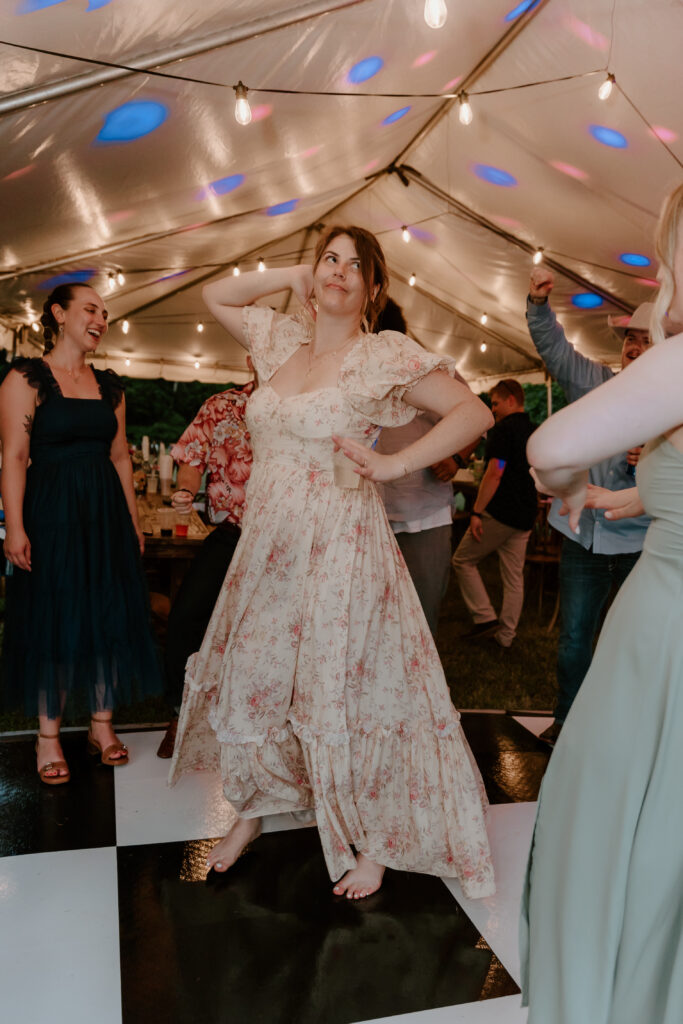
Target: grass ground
{"x":480,"y":674}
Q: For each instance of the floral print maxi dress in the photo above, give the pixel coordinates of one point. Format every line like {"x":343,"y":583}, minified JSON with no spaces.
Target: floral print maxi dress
{"x":318,"y":683}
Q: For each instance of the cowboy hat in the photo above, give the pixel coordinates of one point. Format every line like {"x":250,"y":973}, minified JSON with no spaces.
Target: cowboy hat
{"x":638,"y":321}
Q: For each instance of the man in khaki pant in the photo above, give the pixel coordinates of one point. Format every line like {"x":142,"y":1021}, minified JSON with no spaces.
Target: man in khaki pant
{"x":501,"y":519}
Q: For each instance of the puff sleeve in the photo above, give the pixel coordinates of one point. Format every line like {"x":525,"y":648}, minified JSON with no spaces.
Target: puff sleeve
{"x":380,"y":371}
{"x":272,"y":337}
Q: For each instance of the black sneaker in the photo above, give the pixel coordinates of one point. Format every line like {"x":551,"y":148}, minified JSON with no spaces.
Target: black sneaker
{"x":551,"y":734}
{"x":480,"y":630}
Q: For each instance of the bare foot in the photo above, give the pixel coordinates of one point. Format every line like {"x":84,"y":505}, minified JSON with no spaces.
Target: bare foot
{"x":50,"y":750}
{"x":224,"y":854}
{"x":360,"y":881}
{"x":102,"y":730}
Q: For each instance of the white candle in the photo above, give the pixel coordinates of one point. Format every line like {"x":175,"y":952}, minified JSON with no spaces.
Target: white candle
{"x":145,"y":449}
{"x":162,"y":450}
{"x":165,"y":467}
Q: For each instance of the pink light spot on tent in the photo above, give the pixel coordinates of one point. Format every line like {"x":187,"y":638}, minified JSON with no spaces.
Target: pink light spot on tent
{"x":586,"y":33}
{"x":450,"y":86}
{"x":649,"y":281}
{"x":261,"y":112}
{"x":573,"y":172}
{"x":422,"y":235}
{"x":119,"y":215}
{"x":423,"y":59}
{"x":371,"y":166}
{"x":193,"y":227}
{"x":310,"y":152}
{"x":507,"y":222}
{"x":19,"y":173}
{"x":665,"y":134}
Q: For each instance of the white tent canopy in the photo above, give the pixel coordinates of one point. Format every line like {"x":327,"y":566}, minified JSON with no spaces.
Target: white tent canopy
{"x":122,"y":154}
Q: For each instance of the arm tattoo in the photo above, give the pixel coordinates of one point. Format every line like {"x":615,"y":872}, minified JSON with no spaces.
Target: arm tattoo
{"x":28,"y":423}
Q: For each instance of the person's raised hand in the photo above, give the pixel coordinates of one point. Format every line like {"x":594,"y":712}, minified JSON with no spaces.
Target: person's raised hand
{"x":541,"y":283}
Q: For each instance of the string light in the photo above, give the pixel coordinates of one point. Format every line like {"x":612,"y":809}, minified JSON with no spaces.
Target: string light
{"x":127,"y":362}
{"x":35,"y":327}
{"x":605,"y":90}
{"x":411,"y":280}
{"x":112,"y":280}
{"x":236,"y":271}
{"x":242,"y":108}
{"x":120,"y":279}
{"x":482,"y":347}
{"x":125,"y":326}
{"x":465,"y":112}
{"x":483,"y":319}
{"x":538,"y":256}
{"x":436,"y":13}
{"x":197,"y":364}
{"x":405,"y":234}
{"x":261,"y":265}
{"x":200,"y":327}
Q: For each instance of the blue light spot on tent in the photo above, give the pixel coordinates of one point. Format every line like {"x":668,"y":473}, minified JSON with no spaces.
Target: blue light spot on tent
{"x":608,"y":136}
{"x":364,"y":70}
{"x":396,"y":116}
{"x":586,"y":300}
{"x":525,"y":5}
{"x":74,"y":277}
{"x":494,"y":175}
{"x":224,"y":185}
{"x":167,"y":277}
{"x":275,"y":211}
{"x":29,"y":6}
{"x":94,"y":5}
{"x":132,"y":120}
{"x":634,"y":259}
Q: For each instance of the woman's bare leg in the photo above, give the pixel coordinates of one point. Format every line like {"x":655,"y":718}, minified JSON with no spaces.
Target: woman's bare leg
{"x":227,"y":850}
{"x":50,"y":749}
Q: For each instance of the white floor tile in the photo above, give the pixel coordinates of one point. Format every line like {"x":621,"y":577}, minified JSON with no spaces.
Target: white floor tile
{"x":59,"y":935}
{"x":491,"y":1011}
{"x":497,"y":917}
{"x":148,"y":810}
{"x":534,"y":723}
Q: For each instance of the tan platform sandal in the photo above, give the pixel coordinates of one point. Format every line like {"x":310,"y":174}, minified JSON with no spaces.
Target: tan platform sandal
{"x":95,"y":747}
{"x":52,"y":766}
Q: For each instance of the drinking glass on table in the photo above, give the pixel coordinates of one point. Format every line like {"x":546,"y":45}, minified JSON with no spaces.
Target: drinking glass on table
{"x":182,"y":522}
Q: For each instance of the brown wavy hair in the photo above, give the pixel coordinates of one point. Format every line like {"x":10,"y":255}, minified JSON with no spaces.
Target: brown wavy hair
{"x":373,"y":267}
{"x":62,"y":296}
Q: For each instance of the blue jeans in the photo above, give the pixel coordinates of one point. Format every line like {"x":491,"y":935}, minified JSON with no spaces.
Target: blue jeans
{"x":586,"y":580}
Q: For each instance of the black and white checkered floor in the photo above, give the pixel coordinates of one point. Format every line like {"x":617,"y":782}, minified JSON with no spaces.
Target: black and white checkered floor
{"x":107,"y":915}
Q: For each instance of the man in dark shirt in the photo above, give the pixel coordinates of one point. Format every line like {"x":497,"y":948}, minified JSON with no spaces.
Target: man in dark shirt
{"x":501,"y":519}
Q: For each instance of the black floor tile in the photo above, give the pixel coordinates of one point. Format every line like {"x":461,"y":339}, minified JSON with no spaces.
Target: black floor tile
{"x":35,"y":818}
{"x":268,"y":943}
{"x":511,"y":759}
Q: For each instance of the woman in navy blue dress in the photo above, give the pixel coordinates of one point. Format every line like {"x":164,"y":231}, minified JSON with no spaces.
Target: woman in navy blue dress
{"x":77,"y":620}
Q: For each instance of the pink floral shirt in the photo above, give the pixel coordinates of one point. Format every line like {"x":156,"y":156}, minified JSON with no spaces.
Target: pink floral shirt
{"x":217,"y":440}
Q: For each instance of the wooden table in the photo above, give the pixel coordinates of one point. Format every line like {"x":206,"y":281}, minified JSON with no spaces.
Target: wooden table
{"x":176,"y":552}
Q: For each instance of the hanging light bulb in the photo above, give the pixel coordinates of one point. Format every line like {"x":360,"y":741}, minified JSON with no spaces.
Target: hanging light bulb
{"x":125,"y":326}
{"x":120,"y":279}
{"x":197,"y":364}
{"x":605,"y":89}
{"x":127,"y":362}
{"x":405,"y":234}
{"x":465,"y":112}
{"x":436,"y":13}
{"x":482,"y":347}
{"x":261,"y":265}
{"x":242,"y":108}
{"x":200,"y":327}
{"x":411,"y":280}
{"x":35,"y":327}
{"x":483,"y":319}
{"x":236,"y":271}
{"x":538,"y":256}
{"x":112,"y":280}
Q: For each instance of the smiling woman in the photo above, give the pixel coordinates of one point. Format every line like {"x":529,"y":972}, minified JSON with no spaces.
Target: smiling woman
{"x":76,"y":618}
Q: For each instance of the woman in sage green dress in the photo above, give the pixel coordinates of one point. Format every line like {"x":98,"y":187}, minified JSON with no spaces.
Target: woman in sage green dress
{"x":602,"y":915}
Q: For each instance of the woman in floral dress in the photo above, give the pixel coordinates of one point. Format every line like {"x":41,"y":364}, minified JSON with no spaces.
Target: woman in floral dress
{"x":318,"y":684}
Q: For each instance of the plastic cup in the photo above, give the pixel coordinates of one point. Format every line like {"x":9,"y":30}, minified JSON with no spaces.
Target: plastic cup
{"x":344,"y":471}
{"x":182,"y":523}
{"x":152,"y":483}
{"x":166,"y":522}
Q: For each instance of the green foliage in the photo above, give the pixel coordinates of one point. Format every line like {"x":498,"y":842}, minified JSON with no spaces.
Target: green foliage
{"x":536,"y":401}
{"x":162,"y":409}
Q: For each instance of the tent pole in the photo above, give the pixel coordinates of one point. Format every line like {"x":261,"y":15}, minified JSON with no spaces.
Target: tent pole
{"x":236,"y":34}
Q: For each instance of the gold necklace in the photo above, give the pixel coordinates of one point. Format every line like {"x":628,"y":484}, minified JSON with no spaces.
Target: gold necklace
{"x":312,"y":359}
{"x":71,"y":373}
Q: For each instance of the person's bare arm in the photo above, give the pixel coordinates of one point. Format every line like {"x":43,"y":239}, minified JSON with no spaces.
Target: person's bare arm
{"x":187,"y":484}
{"x":17,"y":410}
{"x":617,"y":504}
{"x":641,"y":402}
{"x":123,"y":466}
{"x":464,"y":418}
{"x":227,"y":297}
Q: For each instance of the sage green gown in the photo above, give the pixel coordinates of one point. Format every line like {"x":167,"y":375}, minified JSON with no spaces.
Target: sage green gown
{"x":602,"y":914}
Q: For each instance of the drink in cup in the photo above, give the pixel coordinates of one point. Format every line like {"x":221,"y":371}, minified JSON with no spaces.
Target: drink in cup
{"x":182,"y":523}
{"x":166,"y":521}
